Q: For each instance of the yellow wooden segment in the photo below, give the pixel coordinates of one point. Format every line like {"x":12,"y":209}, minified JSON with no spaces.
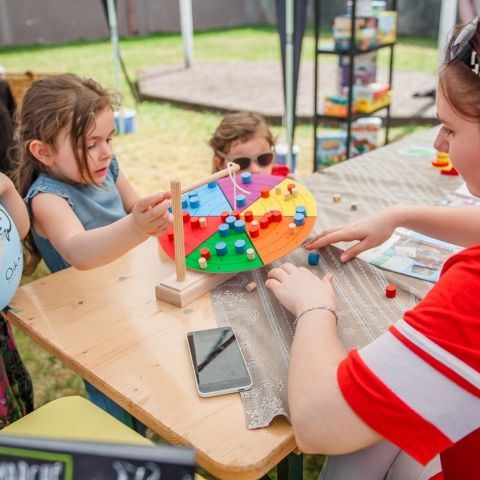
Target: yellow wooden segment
{"x":276,"y":201}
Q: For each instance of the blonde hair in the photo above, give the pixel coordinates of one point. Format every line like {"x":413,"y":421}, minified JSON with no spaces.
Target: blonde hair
{"x":49,"y":106}
{"x":241,"y":126}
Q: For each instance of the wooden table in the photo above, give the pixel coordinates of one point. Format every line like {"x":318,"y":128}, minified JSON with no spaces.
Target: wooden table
{"x":107,"y":325}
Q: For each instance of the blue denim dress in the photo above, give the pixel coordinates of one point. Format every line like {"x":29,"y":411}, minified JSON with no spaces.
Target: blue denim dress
{"x":95,"y":206}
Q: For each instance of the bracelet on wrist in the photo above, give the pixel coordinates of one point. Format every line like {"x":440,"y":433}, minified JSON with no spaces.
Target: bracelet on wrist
{"x":317,"y":307}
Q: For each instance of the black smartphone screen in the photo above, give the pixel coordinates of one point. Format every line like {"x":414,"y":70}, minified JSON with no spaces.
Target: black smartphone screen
{"x":217,"y":360}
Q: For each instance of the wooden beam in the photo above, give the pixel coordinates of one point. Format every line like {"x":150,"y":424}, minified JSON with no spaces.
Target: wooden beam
{"x":215,"y":176}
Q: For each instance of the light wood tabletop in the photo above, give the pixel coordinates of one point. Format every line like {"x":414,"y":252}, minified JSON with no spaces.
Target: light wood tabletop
{"x":107,"y":325}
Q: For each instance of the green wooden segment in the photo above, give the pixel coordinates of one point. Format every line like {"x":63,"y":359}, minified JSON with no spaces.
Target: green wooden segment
{"x":231,"y":262}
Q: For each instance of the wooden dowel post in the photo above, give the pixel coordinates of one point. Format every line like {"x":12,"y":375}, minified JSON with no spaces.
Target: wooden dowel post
{"x":178,"y":233}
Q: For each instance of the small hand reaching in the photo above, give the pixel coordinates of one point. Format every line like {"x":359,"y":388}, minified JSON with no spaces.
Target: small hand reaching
{"x":369,"y":232}
{"x":298,"y":289}
{"x":151,"y":215}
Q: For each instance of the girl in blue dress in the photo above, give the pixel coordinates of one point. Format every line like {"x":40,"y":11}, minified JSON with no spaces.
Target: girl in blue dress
{"x":84,"y":211}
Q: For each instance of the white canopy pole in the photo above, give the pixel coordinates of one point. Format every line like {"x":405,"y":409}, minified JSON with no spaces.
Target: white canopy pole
{"x":112,"y":22}
{"x":186,"y":23}
{"x":448,"y":19}
{"x":289,"y":59}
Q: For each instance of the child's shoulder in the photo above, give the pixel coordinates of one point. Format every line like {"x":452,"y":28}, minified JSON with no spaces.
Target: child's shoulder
{"x":45,"y":183}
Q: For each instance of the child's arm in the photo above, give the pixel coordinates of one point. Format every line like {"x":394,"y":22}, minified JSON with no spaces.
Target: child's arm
{"x":86,"y":249}
{"x":14,"y":204}
{"x":459,"y":225}
{"x":129,"y":196}
{"x":322,"y":420}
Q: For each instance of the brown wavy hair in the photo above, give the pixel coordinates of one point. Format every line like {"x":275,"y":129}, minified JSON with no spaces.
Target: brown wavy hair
{"x":49,"y":106}
{"x":459,"y":85}
{"x":241,"y":126}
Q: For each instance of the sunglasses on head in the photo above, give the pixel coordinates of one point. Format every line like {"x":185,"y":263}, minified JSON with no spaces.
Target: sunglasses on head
{"x":263,"y":159}
{"x":466,"y":46}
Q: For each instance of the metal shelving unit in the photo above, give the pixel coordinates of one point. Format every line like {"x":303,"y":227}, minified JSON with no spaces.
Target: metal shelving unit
{"x":351,"y":54}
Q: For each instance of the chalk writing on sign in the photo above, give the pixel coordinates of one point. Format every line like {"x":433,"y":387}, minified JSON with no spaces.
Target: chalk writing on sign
{"x":127,"y":471}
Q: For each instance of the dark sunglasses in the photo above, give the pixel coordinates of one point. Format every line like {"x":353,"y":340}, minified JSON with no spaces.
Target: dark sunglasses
{"x":465,"y":46}
{"x":263,"y":159}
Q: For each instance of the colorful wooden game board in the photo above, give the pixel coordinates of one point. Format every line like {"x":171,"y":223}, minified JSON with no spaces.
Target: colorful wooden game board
{"x":268,"y":223}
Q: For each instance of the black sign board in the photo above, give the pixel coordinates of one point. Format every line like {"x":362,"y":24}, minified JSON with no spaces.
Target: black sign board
{"x":25,"y":458}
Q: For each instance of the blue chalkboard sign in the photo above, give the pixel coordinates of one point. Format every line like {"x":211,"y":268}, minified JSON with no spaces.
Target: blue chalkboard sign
{"x":25,"y":458}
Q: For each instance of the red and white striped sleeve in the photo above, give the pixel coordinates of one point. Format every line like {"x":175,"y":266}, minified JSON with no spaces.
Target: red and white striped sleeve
{"x":418,"y":385}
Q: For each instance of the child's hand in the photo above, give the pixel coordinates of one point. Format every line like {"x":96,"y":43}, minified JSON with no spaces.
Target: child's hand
{"x":370,"y":232}
{"x":150,"y":214}
{"x":298,"y":288}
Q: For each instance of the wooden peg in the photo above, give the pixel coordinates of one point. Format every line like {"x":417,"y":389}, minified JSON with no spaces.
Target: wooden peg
{"x":178,"y":232}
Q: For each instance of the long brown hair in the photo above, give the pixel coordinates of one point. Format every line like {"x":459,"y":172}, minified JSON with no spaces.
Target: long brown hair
{"x":49,"y":106}
{"x":241,"y":126}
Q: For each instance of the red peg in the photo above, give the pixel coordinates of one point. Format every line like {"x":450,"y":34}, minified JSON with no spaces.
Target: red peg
{"x":205,"y":253}
{"x":170,"y":235}
{"x":224,"y":216}
{"x":391,"y":291}
{"x":248,"y":216}
{"x":186,"y":217}
{"x":269,"y":217}
{"x":236,"y":214}
{"x":277,"y":215}
{"x":264,"y":222}
{"x":450,"y":171}
{"x":254,"y":231}
{"x":195,"y":222}
{"x":290,"y":187}
{"x":265,"y":192}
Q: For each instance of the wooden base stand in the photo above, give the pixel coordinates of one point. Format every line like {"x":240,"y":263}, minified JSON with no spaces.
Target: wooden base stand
{"x":195,"y":285}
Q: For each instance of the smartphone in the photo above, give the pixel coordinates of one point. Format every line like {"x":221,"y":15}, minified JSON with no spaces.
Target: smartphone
{"x":218,"y":362}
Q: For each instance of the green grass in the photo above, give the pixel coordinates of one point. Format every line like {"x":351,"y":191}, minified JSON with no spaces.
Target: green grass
{"x":167,"y":135}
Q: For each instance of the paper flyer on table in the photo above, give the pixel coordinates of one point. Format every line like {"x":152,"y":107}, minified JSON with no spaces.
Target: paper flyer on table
{"x":411,"y":253}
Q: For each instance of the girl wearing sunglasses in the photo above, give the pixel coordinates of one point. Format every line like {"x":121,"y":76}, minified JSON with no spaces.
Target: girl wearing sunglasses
{"x":406,"y":406}
{"x":245,"y":138}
